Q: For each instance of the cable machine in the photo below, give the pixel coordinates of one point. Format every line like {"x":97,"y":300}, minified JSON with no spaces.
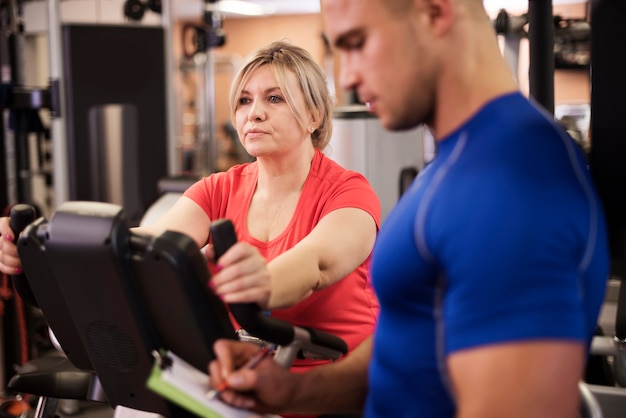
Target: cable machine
{"x":22,"y":136}
{"x":82,"y":101}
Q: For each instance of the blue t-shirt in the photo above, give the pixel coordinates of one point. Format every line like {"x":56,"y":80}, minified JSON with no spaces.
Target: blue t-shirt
{"x":500,"y":238}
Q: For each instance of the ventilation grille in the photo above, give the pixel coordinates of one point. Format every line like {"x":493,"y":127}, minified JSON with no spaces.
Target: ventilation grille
{"x":112,"y":346}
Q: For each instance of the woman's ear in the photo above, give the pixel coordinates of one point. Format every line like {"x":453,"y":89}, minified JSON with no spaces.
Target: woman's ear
{"x":316,"y":118}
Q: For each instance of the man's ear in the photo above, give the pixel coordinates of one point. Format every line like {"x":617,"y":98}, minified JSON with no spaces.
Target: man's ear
{"x":439,"y":13}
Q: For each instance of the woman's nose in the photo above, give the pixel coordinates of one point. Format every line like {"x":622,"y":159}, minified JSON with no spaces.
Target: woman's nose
{"x":257,"y":112}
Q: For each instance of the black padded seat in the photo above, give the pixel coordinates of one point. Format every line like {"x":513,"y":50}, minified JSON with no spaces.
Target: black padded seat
{"x":52,"y":375}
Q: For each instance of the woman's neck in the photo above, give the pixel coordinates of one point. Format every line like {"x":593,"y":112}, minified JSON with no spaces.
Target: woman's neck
{"x":282,"y":176}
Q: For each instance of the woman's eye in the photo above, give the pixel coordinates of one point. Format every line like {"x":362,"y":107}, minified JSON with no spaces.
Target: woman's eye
{"x":244,"y":100}
{"x":275,"y":99}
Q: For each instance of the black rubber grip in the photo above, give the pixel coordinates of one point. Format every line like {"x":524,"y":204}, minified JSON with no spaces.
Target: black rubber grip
{"x":21,"y":216}
{"x":249,"y":315}
{"x":224,"y":236}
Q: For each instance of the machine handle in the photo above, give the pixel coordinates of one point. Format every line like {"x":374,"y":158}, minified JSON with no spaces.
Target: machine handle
{"x":21,"y":216}
{"x":259,"y":325}
{"x":249,"y":315}
{"x":224,"y":236}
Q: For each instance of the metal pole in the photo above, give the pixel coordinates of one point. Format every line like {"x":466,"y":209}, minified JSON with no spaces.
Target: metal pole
{"x":201,"y":162}
{"x":57,"y":126}
{"x":212,"y":21}
{"x":541,"y":45}
{"x":173,"y":166}
{"x":608,"y":147}
{"x":209,"y":85}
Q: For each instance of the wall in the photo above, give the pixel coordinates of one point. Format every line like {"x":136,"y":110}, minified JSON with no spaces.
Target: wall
{"x":244,"y":35}
{"x":571,"y":85}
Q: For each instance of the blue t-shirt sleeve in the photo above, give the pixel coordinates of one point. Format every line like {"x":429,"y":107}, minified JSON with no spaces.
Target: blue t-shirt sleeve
{"x":510,"y":270}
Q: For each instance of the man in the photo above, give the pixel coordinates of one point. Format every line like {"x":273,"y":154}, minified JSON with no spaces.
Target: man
{"x":491,"y":269}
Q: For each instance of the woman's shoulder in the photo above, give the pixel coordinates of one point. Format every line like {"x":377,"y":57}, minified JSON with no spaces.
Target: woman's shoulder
{"x":232,"y":177}
{"x":325,"y":167}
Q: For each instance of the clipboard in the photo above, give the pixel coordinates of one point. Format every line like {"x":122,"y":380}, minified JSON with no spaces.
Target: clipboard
{"x":183,"y":384}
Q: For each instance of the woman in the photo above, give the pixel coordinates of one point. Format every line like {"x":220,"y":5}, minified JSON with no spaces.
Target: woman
{"x":306,"y":226}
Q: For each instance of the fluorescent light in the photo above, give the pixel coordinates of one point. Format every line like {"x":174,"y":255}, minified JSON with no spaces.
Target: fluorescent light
{"x":244,"y":8}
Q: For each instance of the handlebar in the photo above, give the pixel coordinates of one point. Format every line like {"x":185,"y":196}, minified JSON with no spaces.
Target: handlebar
{"x":292,"y":339}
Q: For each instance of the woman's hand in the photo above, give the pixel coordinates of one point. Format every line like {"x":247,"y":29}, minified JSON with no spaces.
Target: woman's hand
{"x":241,"y":275}
{"x":9,"y":260}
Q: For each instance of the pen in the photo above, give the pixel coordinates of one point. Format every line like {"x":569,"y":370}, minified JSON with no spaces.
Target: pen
{"x":252,"y":362}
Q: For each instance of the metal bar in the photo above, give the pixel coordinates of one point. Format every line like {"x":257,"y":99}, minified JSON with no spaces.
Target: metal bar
{"x":167,"y":20}
{"x":57,"y":124}
{"x":541,"y":45}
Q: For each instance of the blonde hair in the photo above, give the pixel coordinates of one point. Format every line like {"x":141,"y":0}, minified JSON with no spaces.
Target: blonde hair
{"x":283,"y":57}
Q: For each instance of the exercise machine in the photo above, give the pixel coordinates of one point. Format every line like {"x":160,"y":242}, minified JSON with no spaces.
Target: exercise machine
{"x":112,"y":296}
{"x":606,"y":160}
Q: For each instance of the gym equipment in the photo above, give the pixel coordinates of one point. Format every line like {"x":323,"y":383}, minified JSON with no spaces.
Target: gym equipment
{"x":540,"y":36}
{"x":541,"y":41}
{"x":387,"y":159}
{"x":199,"y":43}
{"x":572,"y":41}
{"x":512,"y":29}
{"x":135,"y":9}
{"x":23,"y":105}
{"x":606,"y":161}
{"x":113,"y":296}
{"x":116,"y":113}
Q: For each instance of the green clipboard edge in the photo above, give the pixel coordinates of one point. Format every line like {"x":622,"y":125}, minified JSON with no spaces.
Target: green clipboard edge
{"x":156,"y":383}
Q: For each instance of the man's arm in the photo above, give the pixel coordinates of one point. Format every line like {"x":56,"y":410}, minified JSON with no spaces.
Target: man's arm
{"x":335,"y":387}
{"x":520,"y":379}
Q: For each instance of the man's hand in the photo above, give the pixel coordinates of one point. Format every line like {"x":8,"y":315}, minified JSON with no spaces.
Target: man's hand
{"x":268,"y":387}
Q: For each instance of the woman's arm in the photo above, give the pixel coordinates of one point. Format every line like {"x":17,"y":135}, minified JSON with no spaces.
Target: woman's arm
{"x":338,"y":244}
{"x":184,"y":216}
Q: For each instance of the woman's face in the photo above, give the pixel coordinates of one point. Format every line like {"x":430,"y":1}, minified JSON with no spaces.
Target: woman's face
{"x":265,"y":123}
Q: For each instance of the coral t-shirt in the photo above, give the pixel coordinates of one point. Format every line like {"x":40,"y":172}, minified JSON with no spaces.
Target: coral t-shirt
{"x":347,"y":308}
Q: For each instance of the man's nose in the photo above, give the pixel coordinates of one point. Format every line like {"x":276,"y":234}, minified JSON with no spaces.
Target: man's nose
{"x":348,"y":75}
